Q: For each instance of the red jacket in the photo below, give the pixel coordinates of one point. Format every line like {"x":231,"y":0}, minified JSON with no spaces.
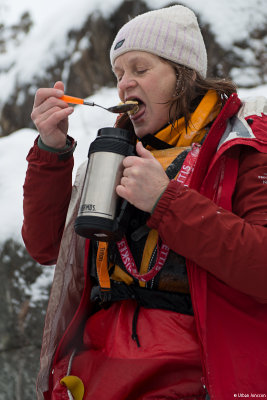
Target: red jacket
{"x":221,"y":218}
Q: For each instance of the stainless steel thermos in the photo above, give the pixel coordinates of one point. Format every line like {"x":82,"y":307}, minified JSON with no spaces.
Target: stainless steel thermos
{"x":100,"y":207}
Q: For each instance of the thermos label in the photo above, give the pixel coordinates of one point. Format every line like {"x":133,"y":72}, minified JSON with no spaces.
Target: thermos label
{"x":87,"y":207}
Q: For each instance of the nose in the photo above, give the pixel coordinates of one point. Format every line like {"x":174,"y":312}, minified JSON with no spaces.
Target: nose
{"x":126,"y":83}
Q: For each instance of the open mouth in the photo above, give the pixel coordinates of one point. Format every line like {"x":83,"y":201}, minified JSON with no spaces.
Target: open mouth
{"x":138,"y":110}
{"x":135,"y":108}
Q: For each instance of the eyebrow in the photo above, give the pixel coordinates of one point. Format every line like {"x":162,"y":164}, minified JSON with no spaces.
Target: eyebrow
{"x":116,"y":69}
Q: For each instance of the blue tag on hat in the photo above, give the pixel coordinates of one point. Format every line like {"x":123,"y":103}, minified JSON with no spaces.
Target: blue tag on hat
{"x":119,"y":44}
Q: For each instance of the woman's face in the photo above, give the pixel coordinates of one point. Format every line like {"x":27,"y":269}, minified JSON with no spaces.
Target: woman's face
{"x":146,"y":78}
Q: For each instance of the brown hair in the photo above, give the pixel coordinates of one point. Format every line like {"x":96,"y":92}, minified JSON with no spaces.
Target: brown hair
{"x":191,"y":87}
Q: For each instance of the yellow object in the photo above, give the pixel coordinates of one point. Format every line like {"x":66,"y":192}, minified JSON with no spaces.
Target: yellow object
{"x":166,"y":156}
{"x":120,"y":276}
{"x":206,"y":112}
{"x":150,"y":245}
{"x":101,"y":265}
{"x":74,"y":385}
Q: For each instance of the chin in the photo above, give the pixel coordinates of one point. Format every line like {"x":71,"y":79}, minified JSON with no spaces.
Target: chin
{"x":142,"y":130}
{"x":140,"y":133}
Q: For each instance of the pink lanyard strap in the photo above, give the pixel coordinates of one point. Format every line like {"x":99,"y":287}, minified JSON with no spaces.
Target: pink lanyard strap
{"x":184,"y":178}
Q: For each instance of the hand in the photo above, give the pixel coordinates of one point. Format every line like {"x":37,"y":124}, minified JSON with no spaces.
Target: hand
{"x":50,"y":115}
{"x":143,"y":181}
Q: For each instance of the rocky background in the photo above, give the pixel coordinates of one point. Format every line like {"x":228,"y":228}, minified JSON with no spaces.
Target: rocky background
{"x":21,"y":322}
{"x":89,"y":70}
{"x":22,"y":314}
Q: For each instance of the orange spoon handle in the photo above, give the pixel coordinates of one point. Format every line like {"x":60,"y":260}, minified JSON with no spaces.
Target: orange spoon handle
{"x":72,"y":100}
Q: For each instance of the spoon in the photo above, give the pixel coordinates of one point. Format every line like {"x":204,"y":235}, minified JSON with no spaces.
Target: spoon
{"x":120,"y":108}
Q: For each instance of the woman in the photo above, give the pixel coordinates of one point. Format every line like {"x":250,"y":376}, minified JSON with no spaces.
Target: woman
{"x":197,"y":189}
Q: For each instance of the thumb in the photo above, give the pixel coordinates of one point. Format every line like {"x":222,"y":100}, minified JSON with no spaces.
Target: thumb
{"x":59,"y":85}
{"x":142,"y":152}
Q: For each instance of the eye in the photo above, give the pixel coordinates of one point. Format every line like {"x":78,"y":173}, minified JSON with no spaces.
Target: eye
{"x":141,"y":71}
{"x":119,"y":78}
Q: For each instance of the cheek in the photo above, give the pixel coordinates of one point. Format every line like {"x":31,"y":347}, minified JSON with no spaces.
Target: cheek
{"x":169,"y":89}
{"x":161,"y":105}
{"x":159,"y":117}
{"x":161,"y":97}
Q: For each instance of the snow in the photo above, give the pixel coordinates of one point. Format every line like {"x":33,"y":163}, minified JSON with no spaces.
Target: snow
{"x":246,"y":77}
{"x":84,"y":123}
{"x":47,"y":39}
{"x":64,"y":11}
{"x":231,"y":21}
{"x":30,"y":55}
{"x":256,"y":91}
{"x":38,"y":290}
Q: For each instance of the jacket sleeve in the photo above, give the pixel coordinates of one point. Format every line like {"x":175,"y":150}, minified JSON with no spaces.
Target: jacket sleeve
{"x":230,"y":245}
{"x":47,"y":191}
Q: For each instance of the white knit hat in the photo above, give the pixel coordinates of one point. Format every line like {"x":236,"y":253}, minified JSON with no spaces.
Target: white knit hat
{"x":172,"y":33}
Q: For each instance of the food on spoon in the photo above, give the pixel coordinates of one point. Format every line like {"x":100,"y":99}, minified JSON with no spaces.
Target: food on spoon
{"x":134,"y":110}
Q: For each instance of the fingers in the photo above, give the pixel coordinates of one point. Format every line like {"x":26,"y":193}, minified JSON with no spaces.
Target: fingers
{"x":59,"y":85}
{"x":142,"y":152}
{"x":51,"y":112}
{"x":50,"y":115}
{"x":47,"y":103}
{"x":50,"y":105}
{"x":45,"y":93}
{"x":134,"y":166}
{"x":143,"y":180}
{"x":46,"y":122}
{"x":123,"y":192}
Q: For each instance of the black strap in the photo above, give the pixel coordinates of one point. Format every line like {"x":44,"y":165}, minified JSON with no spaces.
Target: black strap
{"x":175,"y":166}
{"x":147,"y":298}
{"x":155,"y":142}
{"x":134,"y":326}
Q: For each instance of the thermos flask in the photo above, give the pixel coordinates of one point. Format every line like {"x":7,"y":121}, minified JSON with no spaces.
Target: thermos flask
{"x":100,"y":207}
